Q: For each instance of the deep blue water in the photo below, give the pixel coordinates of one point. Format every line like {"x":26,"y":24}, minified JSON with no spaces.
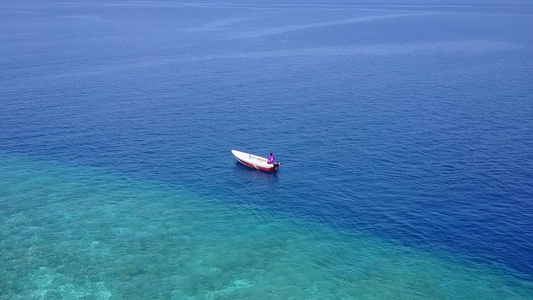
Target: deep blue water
{"x":412,"y":121}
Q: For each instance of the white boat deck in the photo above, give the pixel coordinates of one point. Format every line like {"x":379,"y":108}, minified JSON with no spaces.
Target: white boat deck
{"x":257,"y":159}
{"x":253,"y":159}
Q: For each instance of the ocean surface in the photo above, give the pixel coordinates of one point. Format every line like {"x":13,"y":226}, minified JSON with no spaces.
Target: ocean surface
{"x":404,"y":131}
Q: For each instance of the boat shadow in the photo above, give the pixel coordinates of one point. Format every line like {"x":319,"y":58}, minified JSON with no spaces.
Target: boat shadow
{"x":247,"y":173}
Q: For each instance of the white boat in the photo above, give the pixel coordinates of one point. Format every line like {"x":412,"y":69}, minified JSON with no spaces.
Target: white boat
{"x":254,"y":161}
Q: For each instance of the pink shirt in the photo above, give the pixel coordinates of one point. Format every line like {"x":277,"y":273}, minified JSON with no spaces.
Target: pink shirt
{"x":271,"y":159}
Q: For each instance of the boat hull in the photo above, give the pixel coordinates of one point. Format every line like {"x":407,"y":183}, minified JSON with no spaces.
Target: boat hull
{"x":254,"y":161}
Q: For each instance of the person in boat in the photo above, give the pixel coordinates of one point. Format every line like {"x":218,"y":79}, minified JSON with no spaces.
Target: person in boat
{"x":271,"y":160}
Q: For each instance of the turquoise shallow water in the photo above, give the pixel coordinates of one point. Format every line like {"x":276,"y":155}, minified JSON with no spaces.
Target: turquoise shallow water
{"x":86,"y":233}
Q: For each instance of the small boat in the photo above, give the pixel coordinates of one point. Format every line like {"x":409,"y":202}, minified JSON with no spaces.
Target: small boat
{"x":254,"y":161}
